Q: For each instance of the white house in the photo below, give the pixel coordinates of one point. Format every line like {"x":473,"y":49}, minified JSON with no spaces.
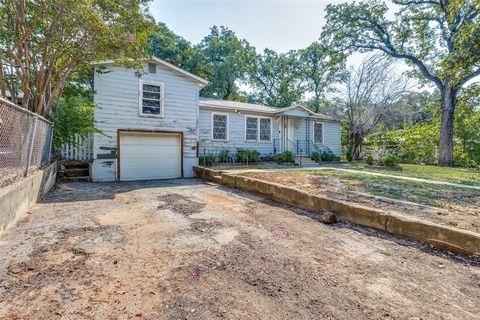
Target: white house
{"x":154,"y":125}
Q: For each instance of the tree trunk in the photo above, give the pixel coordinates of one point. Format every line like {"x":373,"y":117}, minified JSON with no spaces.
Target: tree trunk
{"x":445,"y":148}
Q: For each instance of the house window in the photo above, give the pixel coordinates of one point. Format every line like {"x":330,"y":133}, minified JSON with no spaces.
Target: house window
{"x":251,"y":129}
{"x":219,"y":126}
{"x":265,"y":129}
{"x":151,"y":98}
{"x":318,"y":132}
{"x":258,"y":129}
{"x":152,"y":67}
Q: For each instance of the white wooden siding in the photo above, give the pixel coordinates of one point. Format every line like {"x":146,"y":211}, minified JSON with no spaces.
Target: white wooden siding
{"x":117,"y":107}
{"x":236,"y":127}
{"x":236,"y":132}
{"x":331,"y":133}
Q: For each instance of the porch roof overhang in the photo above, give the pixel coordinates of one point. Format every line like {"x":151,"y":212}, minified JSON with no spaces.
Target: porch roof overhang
{"x":299,"y":111}
{"x":295,"y":111}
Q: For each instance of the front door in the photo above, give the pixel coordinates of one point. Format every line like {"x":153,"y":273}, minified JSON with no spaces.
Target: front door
{"x":286,"y":127}
{"x":290,"y":142}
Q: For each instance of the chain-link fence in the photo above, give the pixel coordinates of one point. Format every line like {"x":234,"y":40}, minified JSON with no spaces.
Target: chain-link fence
{"x":25,"y":142}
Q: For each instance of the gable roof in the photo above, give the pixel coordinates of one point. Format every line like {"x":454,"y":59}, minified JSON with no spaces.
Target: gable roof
{"x":242,"y":106}
{"x":166,"y":65}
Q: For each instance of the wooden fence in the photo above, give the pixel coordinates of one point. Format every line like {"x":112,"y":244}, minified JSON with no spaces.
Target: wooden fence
{"x":80,"y":149}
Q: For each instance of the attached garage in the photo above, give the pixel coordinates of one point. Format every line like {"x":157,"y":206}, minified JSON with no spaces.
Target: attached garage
{"x":149,"y":155}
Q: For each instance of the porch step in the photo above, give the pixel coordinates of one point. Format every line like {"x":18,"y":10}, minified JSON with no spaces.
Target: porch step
{"x":75,"y":171}
{"x":306,"y":162}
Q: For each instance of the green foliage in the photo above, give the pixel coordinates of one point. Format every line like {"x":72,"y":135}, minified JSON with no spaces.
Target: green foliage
{"x":454,"y":29}
{"x":440,"y":39}
{"x":327,"y":155}
{"x":284,"y":157}
{"x":268,"y":158}
{"x":389,"y":160}
{"x":225,"y":59}
{"x":224,"y":156}
{"x":349,"y":152}
{"x":321,"y":67}
{"x":207,"y":160}
{"x":467,"y":128}
{"x":276,"y":79}
{"x":418,"y":143}
{"x":48,"y":40}
{"x":414,"y":144}
{"x":369,"y":160}
{"x":246,"y":155}
{"x":166,"y":45}
{"x":73,"y":114}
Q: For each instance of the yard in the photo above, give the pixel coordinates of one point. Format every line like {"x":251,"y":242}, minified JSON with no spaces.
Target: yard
{"x":185,"y":249}
{"x":466,"y":176}
{"x":444,"y":204}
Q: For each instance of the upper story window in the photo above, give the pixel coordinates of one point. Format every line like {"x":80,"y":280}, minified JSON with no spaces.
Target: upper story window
{"x":152,"y":68}
{"x":258,"y":129}
{"x":151,"y":98}
{"x":318,"y":132}
{"x":219,"y":126}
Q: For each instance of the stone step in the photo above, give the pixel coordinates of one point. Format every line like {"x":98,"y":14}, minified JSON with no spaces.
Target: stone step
{"x":305,"y":161}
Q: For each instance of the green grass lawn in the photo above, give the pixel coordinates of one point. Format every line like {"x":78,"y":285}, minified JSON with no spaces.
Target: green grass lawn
{"x":456,"y":175}
{"x":424,"y":193}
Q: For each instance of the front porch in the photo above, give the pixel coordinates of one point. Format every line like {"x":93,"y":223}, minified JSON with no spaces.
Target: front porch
{"x":302,"y":135}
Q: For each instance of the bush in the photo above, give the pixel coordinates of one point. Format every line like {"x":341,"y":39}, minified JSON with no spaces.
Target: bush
{"x":390,"y":160}
{"x":244,"y":155}
{"x":268,"y":158}
{"x":349,"y":153}
{"x":286,"y":156}
{"x":316,"y":156}
{"x":327,"y":155}
{"x":206,"y":160}
{"x":224,"y":156}
{"x":464,"y":160}
{"x":369,"y":160}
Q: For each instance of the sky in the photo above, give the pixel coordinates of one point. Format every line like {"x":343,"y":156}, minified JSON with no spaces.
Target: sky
{"x":280,"y":25}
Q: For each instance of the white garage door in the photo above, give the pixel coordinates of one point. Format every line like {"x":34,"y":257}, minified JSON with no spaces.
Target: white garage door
{"x":145,"y":156}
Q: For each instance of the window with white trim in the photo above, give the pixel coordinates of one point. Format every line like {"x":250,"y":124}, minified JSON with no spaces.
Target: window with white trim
{"x":251,"y":128}
{"x":151,"y":98}
{"x":318,"y":132}
{"x":265,"y":129}
{"x":258,"y":129}
{"x":219,"y":126}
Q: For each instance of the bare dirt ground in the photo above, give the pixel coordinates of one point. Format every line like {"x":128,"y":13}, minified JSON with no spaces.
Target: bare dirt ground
{"x":183,"y":249}
{"x":466,"y":217}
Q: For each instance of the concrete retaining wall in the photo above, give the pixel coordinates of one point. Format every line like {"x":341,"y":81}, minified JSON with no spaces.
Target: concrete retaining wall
{"x":16,"y":199}
{"x":449,"y":238}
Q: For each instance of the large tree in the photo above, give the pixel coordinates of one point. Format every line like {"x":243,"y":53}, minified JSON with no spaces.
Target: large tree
{"x":42,"y":42}
{"x":321,"y":67}
{"x":441,"y":38}
{"x":225,"y":60}
{"x":276,"y":79}
{"x":370,"y":91}
{"x":167,"y":45}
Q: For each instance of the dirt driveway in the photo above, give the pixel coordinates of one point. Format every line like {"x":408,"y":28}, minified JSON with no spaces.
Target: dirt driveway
{"x":183,"y":249}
